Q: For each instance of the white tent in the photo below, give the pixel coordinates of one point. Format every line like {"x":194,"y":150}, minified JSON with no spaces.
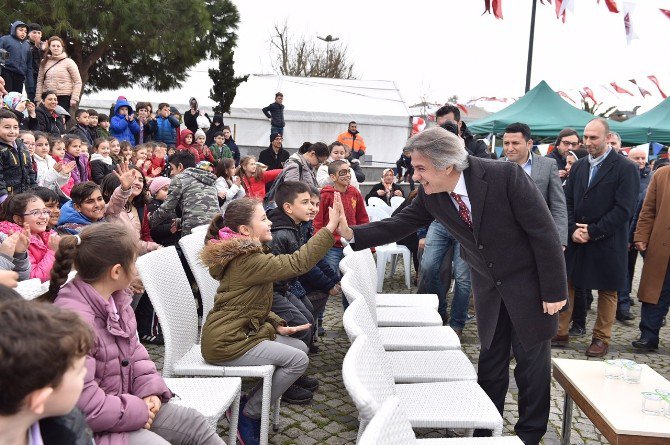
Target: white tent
{"x":316,"y":109}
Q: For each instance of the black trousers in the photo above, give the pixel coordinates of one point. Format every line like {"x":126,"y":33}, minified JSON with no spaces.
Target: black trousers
{"x":532,"y":375}
{"x":13,"y":81}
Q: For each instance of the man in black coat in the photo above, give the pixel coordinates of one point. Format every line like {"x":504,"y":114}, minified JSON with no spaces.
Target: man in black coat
{"x":475,"y":147}
{"x":511,"y":243}
{"x":600,"y":196}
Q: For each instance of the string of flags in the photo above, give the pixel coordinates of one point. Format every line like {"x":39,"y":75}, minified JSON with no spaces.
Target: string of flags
{"x":561,"y":7}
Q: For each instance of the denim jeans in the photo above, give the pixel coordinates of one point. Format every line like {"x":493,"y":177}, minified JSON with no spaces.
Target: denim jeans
{"x":438,"y":242}
{"x":652,"y":315}
{"x":279,"y":130}
{"x":333,"y":258}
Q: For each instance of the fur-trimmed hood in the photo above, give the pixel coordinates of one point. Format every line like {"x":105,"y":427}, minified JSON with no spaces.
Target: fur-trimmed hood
{"x":218,"y":255}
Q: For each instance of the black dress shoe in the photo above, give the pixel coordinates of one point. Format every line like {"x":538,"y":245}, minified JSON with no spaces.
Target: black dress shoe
{"x":576,"y":331}
{"x":645,"y":345}
{"x":624,"y":316}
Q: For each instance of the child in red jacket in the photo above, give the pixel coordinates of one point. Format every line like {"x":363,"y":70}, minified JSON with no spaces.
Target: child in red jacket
{"x":352,"y":201}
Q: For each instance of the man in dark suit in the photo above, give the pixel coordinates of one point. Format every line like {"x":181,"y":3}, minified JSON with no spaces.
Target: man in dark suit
{"x":600,"y":195}
{"x":510,"y":241}
{"x":517,"y":146}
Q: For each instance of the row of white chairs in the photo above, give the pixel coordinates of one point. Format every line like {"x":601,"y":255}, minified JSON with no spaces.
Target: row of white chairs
{"x":168,"y":289}
{"x":404,"y":369}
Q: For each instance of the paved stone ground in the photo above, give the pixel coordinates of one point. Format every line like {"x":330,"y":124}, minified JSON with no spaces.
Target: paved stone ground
{"x":332,"y":417}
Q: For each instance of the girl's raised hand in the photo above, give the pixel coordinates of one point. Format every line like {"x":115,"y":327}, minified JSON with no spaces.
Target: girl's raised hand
{"x":23,"y":240}
{"x":334,"y":213}
{"x":8,"y":246}
{"x":67,"y":168}
{"x":54,"y":241}
{"x":126,"y":175}
{"x":290,"y":330}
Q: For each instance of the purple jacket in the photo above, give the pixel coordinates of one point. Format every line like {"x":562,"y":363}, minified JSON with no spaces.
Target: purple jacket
{"x":119,"y":371}
{"x":80,"y":173}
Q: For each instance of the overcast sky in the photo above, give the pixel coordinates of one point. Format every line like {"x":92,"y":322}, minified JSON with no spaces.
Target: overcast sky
{"x":447,"y":47}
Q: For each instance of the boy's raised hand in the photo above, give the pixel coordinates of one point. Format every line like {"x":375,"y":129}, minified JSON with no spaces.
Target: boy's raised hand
{"x":126,"y":175}
{"x":334,"y":213}
{"x":343,"y":225}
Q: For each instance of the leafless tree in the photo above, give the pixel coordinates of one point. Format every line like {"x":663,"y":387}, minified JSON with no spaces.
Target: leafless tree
{"x":297,"y":56}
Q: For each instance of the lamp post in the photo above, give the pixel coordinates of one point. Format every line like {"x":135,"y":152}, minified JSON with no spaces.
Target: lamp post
{"x":529,"y":65}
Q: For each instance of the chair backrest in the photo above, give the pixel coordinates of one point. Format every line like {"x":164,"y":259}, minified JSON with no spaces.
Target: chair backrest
{"x":351,"y":292}
{"x":366,"y":376}
{"x":191,"y":245}
{"x":376,"y":213}
{"x":357,"y":321}
{"x":396,"y":201}
{"x":345,"y":263}
{"x":166,"y":285}
{"x":365,"y":278}
{"x":200,"y":229}
{"x":373,"y":201}
{"x":389,"y":426}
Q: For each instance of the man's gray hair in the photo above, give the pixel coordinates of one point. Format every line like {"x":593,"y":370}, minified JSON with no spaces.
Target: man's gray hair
{"x":616,"y":135}
{"x":441,"y":147}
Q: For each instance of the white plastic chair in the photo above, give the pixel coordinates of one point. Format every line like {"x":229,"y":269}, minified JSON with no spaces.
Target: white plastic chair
{"x":462,"y":404}
{"x":166,"y":285}
{"x":396,"y":201}
{"x":421,"y":338}
{"x":367,"y":283}
{"x":210,"y":397}
{"x":409,"y":366}
{"x":389,"y":252}
{"x":374,"y":201}
{"x":390,"y":426}
{"x":191,"y":245}
{"x":198,"y":229}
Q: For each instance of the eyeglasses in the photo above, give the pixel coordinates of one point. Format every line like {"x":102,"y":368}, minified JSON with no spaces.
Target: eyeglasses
{"x":38,"y":213}
{"x":570,"y":144}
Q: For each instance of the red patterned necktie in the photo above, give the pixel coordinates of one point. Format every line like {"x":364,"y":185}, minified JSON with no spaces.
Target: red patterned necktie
{"x":463,"y":211}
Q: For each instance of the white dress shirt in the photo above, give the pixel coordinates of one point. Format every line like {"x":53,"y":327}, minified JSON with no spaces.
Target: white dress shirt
{"x":460,"y":189}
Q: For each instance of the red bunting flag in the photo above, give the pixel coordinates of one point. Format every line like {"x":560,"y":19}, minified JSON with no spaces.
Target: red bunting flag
{"x":666,"y":12}
{"x":620,"y":90}
{"x":643,"y":92}
{"x":562,"y":94}
{"x":589,"y":93}
{"x":655,"y":80}
{"x":560,"y":11}
{"x":496,"y":5}
{"x":611,"y":5}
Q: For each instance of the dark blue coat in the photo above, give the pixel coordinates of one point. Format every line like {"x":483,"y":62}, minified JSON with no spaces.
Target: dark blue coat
{"x":607,"y":207}
{"x":20,"y":56}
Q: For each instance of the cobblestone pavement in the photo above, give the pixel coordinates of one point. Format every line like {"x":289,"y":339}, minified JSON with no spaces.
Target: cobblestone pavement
{"x":332,"y":417}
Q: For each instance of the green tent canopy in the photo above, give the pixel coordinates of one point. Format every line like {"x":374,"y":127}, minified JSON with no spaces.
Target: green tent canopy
{"x":543,"y":110}
{"x":652,"y":126}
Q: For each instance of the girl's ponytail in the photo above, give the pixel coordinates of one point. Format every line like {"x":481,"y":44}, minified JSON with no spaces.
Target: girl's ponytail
{"x":214,"y":227}
{"x":67,"y":250}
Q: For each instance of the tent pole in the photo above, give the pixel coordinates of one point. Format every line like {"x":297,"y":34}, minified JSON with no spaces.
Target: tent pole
{"x":529,"y":66}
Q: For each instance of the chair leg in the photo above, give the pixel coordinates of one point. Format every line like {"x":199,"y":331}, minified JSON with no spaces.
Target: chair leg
{"x":381,"y":270}
{"x":265,"y":410}
{"x":275,"y":416}
{"x":394,"y":263}
{"x":407,"y":260}
{"x":234,"y":417}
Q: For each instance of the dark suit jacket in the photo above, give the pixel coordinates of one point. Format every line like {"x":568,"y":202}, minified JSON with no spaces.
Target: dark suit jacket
{"x":514,"y":250}
{"x":607,"y":207}
{"x":545,"y":175}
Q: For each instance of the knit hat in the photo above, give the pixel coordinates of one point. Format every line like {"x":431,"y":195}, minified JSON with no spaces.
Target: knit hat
{"x":274,"y":136}
{"x":199,"y":133}
{"x":157,"y":184}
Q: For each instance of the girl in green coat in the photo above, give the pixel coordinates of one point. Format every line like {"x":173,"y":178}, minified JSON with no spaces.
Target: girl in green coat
{"x":241,"y":330}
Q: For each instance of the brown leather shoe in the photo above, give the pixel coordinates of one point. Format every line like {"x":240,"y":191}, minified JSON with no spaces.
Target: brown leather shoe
{"x":598,"y":348}
{"x":560,"y":341}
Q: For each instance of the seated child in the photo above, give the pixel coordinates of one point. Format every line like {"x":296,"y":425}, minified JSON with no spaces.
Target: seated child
{"x":101,"y":161}
{"x":202,"y":150}
{"x":43,"y":350}
{"x":167,"y":232}
{"x":241,"y":330}
{"x":103,"y":126}
{"x":51,"y":202}
{"x":219,"y":149}
{"x":124,"y":398}
{"x":27,"y":213}
{"x":50,"y":173}
{"x":15,"y":163}
{"x":291,"y":302}
{"x":73,"y":153}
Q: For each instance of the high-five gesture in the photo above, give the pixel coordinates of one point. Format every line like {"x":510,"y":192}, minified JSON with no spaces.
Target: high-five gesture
{"x":126,"y":175}
{"x":334,"y":213}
